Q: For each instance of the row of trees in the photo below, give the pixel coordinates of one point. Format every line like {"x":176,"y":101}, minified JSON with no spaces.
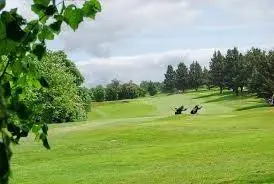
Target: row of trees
{"x":117,"y":91}
{"x":234,"y":70}
{"x":184,"y":78}
{"x":253,"y":70}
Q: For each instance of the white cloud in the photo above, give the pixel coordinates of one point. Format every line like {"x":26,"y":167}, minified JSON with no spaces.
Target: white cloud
{"x":140,"y":67}
{"x":165,"y":29}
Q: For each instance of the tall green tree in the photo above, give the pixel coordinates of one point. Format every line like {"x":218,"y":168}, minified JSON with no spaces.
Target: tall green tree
{"x":195,"y":75}
{"x":112,"y":90}
{"x":63,"y":100}
{"x":169,"y":82}
{"x":99,"y":93}
{"x":232,"y":69}
{"x":206,"y":79}
{"x":217,"y":72}
{"x":257,"y":68}
{"x":128,"y":91}
{"x":20,"y":39}
{"x":152,"y":90}
{"x":181,"y":77}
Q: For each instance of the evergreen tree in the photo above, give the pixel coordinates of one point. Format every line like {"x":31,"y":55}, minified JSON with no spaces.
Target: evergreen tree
{"x":206,"y":79}
{"x":232,"y":69}
{"x":181,"y":77}
{"x":217,"y":73}
{"x":195,"y":75}
{"x":169,"y":82}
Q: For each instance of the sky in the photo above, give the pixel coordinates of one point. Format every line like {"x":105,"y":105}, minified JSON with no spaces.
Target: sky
{"x":137,"y":39}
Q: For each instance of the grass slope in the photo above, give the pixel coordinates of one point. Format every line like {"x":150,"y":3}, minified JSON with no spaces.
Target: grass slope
{"x":231,"y":141}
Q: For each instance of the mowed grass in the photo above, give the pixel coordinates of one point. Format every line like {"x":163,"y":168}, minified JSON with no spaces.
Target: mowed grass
{"x":141,"y":141}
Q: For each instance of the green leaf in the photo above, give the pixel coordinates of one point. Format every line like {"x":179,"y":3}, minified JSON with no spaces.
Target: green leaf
{"x":43,"y":137}
{"x":44,"y":82}
{"x":18,"y":90}
{"x":2,"y":30}
{"x":56,"y":26}
{"x":38,"y":9}
{"x":2,"y":4}
{"x":73,"y":16}
{"x":50,"y":10}
{"x":39,"y":50}
{"x":90,"y":8}
{"x":46,"y":34}
{"x":46,"y":143}
{"x":42,"y":2}
{"x":14,"y":31}
{"x":7,"y":89}
{"x":36,"y":128}
{"x":21,"y":110}
{"x":45,"y":129}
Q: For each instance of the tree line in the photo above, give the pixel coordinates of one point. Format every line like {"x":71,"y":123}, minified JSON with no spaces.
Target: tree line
{"x":253,"y":70}
{"x":120,"y":91}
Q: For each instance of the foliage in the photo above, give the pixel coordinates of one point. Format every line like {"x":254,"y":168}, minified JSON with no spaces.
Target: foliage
{"x":62,"y":101}
{"x":232,"y":69}
{"x":216,"y":66}
{"x":195,"y":75}
{"x":128,"y":91}
{"x":206,"y":79}
{"x":21,"y":39}
{"x":169,"y":82}
{"x":182,"y":77}
{"x":151,"y":89}
{"x":112,"y":90}
{"x":99,"y":93}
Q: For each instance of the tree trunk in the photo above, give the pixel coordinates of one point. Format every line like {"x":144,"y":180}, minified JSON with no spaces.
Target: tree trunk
{"x":242,"y":88}
{"x":236,"y":91}
{"x":221,"y":89}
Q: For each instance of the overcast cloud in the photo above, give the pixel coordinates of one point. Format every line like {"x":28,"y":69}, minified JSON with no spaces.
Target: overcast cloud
{"x":137,"y":39}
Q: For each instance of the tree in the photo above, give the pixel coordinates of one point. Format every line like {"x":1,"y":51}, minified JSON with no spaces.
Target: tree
{"x":99,"y":93}
{"x":217,"y":73}
{"x":181,"y":77}
{"x":144,"y":85}
{"x":195,"y":75}
{"x":169,"y":82}
{"x":257,"y":68}
{"x":206,"y":79}
{"x":19,"y":40}
{"x":141,"y":92}
{"x":63,"y":100}
{"x":128,"y":91}
{"x":261,"y":80}
{"x":70,"y":67}
{"x":152,"y":89}
{"x":112,"y":90}
{"x":232,"y":69}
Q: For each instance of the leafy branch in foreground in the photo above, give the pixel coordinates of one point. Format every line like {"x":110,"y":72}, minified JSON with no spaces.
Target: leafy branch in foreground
{"x":21,"y":39}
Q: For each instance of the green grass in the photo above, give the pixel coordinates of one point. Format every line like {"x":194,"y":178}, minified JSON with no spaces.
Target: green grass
{"x":230,"y":141}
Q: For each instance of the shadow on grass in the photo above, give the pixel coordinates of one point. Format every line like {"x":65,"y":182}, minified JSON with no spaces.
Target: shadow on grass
{"x":252,"y":107}
{"x":213,"y":94}
{"x":230,"y":96}
{"x":252,"y":179}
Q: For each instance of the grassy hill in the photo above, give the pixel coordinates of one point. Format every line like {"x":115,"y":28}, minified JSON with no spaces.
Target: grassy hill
{"x":141,"y":141}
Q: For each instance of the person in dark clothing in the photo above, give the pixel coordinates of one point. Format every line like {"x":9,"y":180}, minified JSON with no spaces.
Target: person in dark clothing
{"x":179,"y":110}
{"x":195,"y":109}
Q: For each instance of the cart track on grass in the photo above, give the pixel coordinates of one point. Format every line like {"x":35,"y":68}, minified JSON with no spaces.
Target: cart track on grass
{"x":100,"y":124}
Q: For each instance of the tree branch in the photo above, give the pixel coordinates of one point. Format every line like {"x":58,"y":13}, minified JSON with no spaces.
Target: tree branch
{"x":5,"y":69}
